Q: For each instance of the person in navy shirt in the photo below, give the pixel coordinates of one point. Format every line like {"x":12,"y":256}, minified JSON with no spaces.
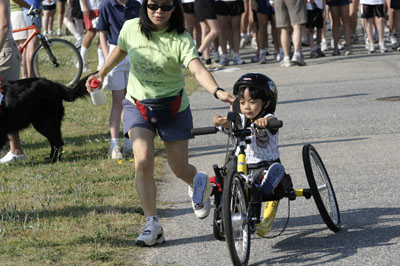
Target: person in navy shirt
{"x":113,"y":14}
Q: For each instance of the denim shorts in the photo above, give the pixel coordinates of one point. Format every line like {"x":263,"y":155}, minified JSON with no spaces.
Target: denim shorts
{"x":177,"y":129}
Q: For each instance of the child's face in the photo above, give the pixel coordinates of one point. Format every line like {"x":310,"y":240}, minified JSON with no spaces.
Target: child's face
{"x":249,"y":107}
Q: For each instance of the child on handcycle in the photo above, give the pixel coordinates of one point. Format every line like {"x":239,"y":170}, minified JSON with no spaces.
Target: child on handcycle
{"x":257,"y":97}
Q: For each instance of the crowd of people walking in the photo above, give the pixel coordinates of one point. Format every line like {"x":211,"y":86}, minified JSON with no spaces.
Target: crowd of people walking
{"x":222,"y":27}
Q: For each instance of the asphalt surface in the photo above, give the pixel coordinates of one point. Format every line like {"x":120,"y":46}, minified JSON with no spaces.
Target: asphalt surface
{"x":333,"y":104}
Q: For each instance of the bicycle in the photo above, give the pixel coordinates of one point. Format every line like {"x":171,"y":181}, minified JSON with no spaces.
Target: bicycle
{"x":53,"y":58}
{"x":238,"y":197}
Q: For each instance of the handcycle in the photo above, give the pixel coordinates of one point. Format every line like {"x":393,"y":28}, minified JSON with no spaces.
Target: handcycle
{"x":55,"y":59}
{"x":238,"y":197}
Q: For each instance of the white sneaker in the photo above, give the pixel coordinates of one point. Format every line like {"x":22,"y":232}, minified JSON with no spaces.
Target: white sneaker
{"x":286,"y":62}
{"x":152,"y":233}
{"x":200,"y":210}
{"x":59,"y":33}
{"x":324,"y":46}
{"x":115,"y":153}
{"x":11,"y":157}
{"x":371,"y":49}
{"x":382,"y":47}
{"x":254,"y":43}
{"x":201,"y":192}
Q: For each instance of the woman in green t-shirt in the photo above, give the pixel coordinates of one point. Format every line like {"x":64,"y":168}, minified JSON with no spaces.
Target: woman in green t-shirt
{"x":158,"y":45}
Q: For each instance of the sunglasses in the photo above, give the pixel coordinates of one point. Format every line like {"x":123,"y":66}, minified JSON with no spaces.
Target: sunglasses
{"x":164,"y":8}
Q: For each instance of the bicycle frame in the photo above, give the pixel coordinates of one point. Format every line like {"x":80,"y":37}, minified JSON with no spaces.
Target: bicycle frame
{"x":35,"y":32}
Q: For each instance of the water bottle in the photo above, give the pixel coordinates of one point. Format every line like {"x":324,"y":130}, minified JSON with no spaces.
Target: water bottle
{"x":97,"y":95}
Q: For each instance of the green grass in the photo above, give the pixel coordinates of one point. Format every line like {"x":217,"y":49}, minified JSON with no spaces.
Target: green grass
{"x":83,"y":210}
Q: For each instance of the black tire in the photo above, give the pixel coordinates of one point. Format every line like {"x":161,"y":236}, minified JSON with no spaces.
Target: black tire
{"x":236,"y":224}
{"x":321,"y":188}
{"x":218,"y":226}
{"x":68,"y":67}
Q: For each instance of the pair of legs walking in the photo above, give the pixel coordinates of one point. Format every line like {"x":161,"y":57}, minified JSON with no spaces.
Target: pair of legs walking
{"x":142,"y":140}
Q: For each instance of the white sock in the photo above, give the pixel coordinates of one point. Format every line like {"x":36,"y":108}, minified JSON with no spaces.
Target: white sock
{"x":83,"y":54}
{"x":114,"y":142}
{"x":100,"y":57}
{"x":78,"y":36}
{"x":154,"y":218}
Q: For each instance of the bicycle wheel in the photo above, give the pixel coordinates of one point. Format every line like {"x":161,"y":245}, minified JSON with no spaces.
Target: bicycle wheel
{"x":61,"y":62}
{"x":236,"y":223}
{"x":321,"y":188}
{"x":218,"y":226}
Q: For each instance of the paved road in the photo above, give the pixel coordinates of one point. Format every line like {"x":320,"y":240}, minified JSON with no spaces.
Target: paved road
{"x":331,"y":103}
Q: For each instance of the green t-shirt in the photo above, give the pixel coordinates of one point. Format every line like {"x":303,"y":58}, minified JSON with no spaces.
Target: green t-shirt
{"x":155,"y":65}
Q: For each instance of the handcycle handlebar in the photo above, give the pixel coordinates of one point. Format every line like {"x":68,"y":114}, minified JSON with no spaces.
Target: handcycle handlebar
{"x":212,"y":130}
{"x":204,"y":131}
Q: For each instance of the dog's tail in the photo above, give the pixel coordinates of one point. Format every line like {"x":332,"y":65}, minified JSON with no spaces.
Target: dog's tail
{"x":79,"y":90}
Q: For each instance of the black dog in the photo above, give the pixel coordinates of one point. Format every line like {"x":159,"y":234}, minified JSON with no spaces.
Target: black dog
{"x":39,"y":102}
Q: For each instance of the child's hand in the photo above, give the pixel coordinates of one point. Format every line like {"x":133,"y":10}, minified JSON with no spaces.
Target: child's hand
{"x":219,"y":120}
{"x":261,"y":122}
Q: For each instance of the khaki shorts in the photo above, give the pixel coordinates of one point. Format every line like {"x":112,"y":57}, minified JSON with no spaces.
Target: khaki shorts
{"x":290,"y":12}
{"x":10,"y":61}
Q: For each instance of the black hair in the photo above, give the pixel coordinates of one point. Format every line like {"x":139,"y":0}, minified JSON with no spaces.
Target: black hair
{"x":257,"y":94}
{"x":254,"y":93}
{"x":176,"y":21}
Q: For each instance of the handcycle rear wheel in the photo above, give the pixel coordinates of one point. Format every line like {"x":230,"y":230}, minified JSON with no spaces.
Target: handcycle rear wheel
{"x":236,"y":224}
{"x":61,"y":63}
{"x":321,"y":188}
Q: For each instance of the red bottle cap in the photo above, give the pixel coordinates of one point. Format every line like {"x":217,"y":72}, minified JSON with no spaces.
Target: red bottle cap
{"x":94,"y":83}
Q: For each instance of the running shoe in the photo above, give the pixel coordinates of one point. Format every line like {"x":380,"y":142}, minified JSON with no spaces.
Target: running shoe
{"x":336,"y":51}
{"x":115,"y":153}
{"x":324,"y":45}
{"x":151,"y":234}
{"x":286,"y":63}
{"x":11,"y":157}
{"x":274,"y":175}
{"x":382,"y":48}
{"x":263,"y":54}
{"x":349,"y":50}
{"x":298,"y":59}
{"x":202,"y":190}
{"x":371,"y":49}
{"x":224,"y":61}
{"x":237,"y":60}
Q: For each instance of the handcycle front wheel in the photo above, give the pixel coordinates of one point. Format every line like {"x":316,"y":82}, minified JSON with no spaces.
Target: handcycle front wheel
{"x":321,"y":188}
{"x":60,"y":62}
{"x":236,"y":222}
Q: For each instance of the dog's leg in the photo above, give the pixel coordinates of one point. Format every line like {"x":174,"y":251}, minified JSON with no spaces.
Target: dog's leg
{"x":50,"y":127}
